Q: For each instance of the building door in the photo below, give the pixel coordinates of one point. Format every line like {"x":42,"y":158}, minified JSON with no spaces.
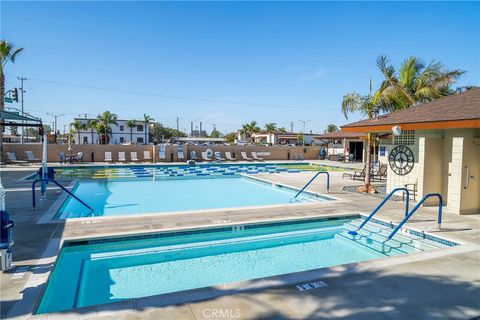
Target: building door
{"x":356,"y":149}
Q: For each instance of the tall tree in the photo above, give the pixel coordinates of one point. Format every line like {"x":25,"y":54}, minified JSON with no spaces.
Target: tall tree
{"x":270,"y":127}
{"x":8,"y":53}
{"x":369,"y":105}
{"x":92,"y":125}
{"x":104,"y":120}
{"x":131,"y":124}
{"x":77,"y":125}
{"x":249,"y":128}
{"x":332,"y":128}
{"x":147,"y":120}
{"x":415,"y":82}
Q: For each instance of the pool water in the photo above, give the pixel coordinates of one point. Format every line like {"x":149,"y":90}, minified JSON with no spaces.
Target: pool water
{"x":108,"y":270}
{"x":140,"y":196}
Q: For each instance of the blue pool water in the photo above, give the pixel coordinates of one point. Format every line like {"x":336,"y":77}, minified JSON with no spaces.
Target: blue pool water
{"x":127,"y":197}
{"x":109,"y":270}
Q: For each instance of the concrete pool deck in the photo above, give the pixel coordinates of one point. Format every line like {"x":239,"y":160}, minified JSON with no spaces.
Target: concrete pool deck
{"x":433,"y":285}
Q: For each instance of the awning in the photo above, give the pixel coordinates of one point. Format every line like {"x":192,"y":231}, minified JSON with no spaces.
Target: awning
{"x":14,"y":118}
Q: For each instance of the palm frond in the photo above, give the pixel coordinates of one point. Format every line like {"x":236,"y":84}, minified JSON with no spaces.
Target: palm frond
{"x":351,"y":103}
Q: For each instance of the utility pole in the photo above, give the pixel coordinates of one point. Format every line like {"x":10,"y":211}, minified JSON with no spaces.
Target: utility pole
{"x":291,"y":126}
{"x":55,"y":123}
{"x":303,"y":131}
{"x":178,"y":124}
{"x":21,"y":89}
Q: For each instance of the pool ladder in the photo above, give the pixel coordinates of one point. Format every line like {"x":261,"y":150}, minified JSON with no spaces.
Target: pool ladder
{"x":311,"y":180}
{"x":61,"y":187}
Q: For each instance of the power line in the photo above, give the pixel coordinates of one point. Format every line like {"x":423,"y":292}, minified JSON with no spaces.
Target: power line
{"x":160,"y":95}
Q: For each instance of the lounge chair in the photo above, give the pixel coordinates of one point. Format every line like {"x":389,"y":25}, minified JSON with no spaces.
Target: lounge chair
{"x":218,"y":156}
{"x":12,"y":158}
{"x":356,"y":175}
{"x":133,"y":156}
{"x":255,"y":157}
{"x":245,"y":157}
{"x":180,"y":154}
{"x":79,"y":157}
{"x":146,"y":156}
{"x":382,"y":173}
{"x":193,"y":155}
{"x":229,"y":157}
{"x":205,"y":157}
{"x":121,"y":157}
{"x":31,"y":157}
{"x":108,"y":156}
{"x":162,"y":155}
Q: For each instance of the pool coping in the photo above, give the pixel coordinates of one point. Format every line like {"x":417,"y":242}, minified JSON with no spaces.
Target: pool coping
{"x":51,"y":212}
{"x":51,"y":254}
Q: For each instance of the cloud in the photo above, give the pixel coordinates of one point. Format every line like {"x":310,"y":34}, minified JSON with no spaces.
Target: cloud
{"x":315,"y":75}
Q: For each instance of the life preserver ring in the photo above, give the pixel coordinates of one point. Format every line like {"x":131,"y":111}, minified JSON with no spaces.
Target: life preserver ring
{"x":209,"y":152}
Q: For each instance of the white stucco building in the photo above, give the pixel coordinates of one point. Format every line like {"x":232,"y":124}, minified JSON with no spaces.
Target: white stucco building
{"x":120,"y":133}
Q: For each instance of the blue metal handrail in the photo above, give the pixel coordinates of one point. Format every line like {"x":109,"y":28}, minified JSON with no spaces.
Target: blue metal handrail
{"x":61,"y":187}
{"x":311,"y":180}
{"x":354,"y":232}
{"x":425,"y":197}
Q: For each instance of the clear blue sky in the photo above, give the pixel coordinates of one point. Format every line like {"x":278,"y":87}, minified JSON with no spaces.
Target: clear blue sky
{"x":278,"y":61}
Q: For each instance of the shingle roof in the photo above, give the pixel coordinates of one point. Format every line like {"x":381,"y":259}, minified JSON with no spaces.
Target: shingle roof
{"x":462,"y":106}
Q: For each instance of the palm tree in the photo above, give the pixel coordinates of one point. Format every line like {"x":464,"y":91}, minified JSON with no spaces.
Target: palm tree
{"x":104,"y":121}
{"x":282,"y":130}
{"x":270,"y":127}
{"x":131,"y":124}
{"x":8,"y":52}
{"x":332,"y":128}
{"x":369,"y":105}
{"x":146,"y":119}
{"x":77,"y":126}
{"x":249,"y":128}
{"x":92,"y":125}
{"x":414,"y":83}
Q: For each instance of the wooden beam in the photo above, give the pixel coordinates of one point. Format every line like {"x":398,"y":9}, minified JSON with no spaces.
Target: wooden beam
{"x":454,"y":124}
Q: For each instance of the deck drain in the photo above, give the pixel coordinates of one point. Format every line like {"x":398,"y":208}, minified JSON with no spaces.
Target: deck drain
{"x":19,"y":273}
{"x":311,"y":285}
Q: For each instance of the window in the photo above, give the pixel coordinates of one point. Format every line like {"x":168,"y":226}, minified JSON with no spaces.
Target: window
{"x":406,"y":138}
{"x":85,"y":140}
{"x":121,"y":128}
{"x":122,"y":140}
{"x":140,"y":140}
{"x":140,"y":127}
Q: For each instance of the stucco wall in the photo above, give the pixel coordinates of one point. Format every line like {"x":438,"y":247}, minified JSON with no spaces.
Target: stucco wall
{"x":271,"y":152}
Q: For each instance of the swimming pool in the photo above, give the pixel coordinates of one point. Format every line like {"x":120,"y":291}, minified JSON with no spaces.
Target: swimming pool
{"x":207,"y":169}
{"x":107,"y":270}
{"x":172,"y":194}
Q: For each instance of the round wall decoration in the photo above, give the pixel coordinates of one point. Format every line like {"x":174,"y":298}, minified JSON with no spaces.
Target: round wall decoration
{"x":401,"y":160}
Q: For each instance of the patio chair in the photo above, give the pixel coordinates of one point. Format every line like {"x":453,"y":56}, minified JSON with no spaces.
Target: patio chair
{"x":229,"y":157}
{"x":255,"y":157}
{"x":108,"y":156}
{"x":146,"y":156}
{"x":193,"y":155}
{"x":133,"y":156}
{"x":31,"y":158}
{"x":218,"y":156}
{"x":79,"y":157}
{"x":245,"y":157}
{"x":412,"y":187}
{"x":205,"y":157}
{"x":121,"y":157}
{"x":356,"y":174}
{"x":382,"y":173}
{"x":12,"y":159}
{"x":162,"y":154}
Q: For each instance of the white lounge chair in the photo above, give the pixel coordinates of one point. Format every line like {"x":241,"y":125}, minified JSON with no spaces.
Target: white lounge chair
{"x":229,"y":157}
{"x":193,"y":155}
{"x":205,"y":157}
{"x":108,"y":156}
{"x":146,"y":156}
{"x":133,"y":156}
{"x":31,"y":157}
{"x":162,"y":154}
{"x":121,"y":157}
{"x":218,"y":156}
{"x":255,"y":157}
{"x":12,"y":158}
{"x":245,"y":157}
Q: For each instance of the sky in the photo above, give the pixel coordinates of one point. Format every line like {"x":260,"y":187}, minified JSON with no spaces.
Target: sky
{"x":224,"y":63}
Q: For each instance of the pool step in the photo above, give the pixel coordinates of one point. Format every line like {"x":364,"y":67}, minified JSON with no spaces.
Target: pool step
{"x":372,"y":244}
